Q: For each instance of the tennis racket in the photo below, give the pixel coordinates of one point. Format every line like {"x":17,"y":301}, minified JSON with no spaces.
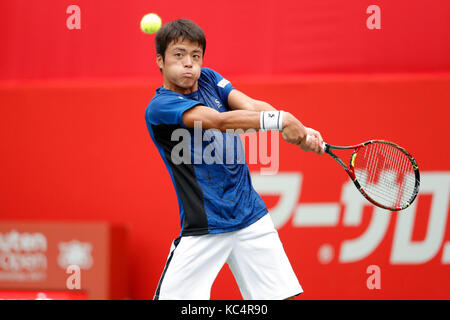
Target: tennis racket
{"x":385,"y":173}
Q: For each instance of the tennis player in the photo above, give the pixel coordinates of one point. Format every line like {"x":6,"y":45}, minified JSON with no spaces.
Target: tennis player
{"x":223,"y":219}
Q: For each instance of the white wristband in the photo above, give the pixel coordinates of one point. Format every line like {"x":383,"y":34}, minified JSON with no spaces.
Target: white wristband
{"x":271,"y":120}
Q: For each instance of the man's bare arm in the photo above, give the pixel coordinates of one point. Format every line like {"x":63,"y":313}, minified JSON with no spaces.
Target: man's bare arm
{"x":293,"y":130}
{"x":212,"y":119}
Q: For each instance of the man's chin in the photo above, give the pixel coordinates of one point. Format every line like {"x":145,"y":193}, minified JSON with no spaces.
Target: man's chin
{"x":187,"y":84}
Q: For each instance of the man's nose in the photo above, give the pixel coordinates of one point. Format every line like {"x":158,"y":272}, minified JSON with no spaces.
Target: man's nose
{"x":188,"y":61}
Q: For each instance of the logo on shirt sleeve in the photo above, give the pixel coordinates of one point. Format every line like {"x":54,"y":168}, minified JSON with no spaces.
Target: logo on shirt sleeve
{"x":223,"y":83}
{"x":218,"y":103}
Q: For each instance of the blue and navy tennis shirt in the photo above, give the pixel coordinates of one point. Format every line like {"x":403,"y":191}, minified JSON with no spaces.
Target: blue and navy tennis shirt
{"x":212,"y":198}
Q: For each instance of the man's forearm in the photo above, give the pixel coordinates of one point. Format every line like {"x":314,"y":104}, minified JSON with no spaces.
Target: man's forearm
{"x":239,"y":119}
{"x":246,"y":119}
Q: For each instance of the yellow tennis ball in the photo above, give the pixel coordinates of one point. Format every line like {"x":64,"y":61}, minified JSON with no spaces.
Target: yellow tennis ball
{"x":150,"y":23}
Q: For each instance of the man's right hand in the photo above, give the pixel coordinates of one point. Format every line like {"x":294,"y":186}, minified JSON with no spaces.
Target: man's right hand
{"x":313,"y":142}
{"x":294,"y":132}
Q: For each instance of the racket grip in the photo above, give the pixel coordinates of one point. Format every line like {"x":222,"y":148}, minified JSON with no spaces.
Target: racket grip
{"x":324,"y":145}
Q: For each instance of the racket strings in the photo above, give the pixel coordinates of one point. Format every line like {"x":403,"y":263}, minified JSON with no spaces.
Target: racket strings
{"x":384,"y":183}
{"x":386,"y":174}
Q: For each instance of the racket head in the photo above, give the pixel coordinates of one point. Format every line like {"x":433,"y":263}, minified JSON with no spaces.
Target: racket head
{"x":385,"y":173}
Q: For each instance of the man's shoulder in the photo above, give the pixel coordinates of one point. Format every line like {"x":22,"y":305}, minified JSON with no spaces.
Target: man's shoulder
{"x":213,"y":77}
{"x":167,"y":107}
{"x":164,"y":96}
{"x":162,"y":93}
{"x":161,"y":98}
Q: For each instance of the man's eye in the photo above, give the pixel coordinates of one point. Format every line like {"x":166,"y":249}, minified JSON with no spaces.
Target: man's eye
{"x":178,"y":54}
{"x":196,"y":56}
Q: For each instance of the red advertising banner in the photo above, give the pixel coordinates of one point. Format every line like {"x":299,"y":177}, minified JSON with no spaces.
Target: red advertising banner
{"x":62,"y":261}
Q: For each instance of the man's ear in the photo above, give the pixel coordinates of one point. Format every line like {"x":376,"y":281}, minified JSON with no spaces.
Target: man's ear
{"x":159,"y":61}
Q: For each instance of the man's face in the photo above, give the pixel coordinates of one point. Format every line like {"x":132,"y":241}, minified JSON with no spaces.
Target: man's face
{"x":182,"y":66}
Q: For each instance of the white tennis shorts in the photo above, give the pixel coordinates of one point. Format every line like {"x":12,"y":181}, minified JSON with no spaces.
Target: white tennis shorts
{"x":254,"y":254}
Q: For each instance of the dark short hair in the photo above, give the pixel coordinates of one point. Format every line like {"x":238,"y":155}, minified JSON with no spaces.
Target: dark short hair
{"x":181,"y":29}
